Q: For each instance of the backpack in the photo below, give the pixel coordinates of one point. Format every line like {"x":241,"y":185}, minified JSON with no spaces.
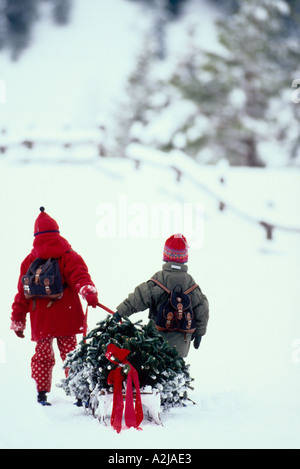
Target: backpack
{"x":43,"y":280}
{"x":175,"y":313}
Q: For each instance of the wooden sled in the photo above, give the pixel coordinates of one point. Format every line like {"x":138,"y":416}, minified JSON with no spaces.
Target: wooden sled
{"x":101,"y":400}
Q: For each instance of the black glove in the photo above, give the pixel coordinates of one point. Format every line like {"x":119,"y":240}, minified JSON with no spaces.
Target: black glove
{"x":197,"y":340}
{"x":117,"y":317}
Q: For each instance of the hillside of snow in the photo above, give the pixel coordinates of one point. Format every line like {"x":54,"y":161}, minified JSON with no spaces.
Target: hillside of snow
{"x":247,"y":368}
{"x":117,"y":217}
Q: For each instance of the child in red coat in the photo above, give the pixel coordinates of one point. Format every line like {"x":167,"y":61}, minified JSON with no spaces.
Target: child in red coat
{"x":61,"y":319}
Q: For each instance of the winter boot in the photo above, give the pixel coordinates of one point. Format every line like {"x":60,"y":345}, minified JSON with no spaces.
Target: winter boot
{"x":42,"y":398}
{"x":81,"y":403}
{"x":78,"y":403}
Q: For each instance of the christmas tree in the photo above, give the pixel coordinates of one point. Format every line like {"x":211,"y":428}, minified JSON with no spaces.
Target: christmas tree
{"x":157,"y":363}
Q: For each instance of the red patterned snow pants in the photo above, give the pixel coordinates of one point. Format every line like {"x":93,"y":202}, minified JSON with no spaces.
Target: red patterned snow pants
{"x":43,"y":360}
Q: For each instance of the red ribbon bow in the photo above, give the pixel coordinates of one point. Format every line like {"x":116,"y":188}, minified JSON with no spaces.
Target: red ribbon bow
{"x":133,"y":414}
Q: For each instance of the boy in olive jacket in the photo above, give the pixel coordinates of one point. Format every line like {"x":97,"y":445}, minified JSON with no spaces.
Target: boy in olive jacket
{"x":151,"y":295}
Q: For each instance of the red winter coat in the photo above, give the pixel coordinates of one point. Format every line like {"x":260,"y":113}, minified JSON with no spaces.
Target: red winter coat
{"x":65,"y":316}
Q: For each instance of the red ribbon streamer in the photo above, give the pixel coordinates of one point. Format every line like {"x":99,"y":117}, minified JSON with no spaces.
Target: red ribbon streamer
{"x":133,"y":414}
{"x":85,"y":325}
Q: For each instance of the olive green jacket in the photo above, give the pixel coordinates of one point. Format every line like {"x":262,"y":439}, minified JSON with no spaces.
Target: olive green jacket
{"x":149,"y":295}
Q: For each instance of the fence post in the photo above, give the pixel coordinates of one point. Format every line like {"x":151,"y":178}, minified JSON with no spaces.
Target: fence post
{"x":269,"y":229}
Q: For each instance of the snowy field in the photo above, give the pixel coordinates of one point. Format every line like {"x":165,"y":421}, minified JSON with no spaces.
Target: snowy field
{"x":247,"y":368}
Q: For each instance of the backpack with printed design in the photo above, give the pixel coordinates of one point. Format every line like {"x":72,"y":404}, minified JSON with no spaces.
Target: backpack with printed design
{"x":43,"y":280}
{"x":175,"y":313}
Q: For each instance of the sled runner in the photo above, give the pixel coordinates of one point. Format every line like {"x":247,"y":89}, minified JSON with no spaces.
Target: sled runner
{"x":101,"y":401}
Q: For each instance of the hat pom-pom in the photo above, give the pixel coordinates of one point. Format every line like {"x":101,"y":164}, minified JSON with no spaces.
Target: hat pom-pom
{"x":42,"y":209}
{"x":179,"y":235}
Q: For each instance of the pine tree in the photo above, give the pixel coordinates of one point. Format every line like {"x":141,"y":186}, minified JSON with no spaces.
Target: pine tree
{"x":17,"y":19}
{"x":134,"y":111}
{"x":239,"y":95}
{"x":241,"y":90}
{"x":61,"y":11}
{"x":157,"y":363}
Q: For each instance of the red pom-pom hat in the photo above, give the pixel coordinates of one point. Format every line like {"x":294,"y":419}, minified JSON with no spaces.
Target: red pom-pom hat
{"x":45,"y":224}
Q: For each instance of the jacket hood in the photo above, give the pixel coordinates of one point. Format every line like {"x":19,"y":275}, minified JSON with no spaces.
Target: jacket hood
{"x":50,"y":245}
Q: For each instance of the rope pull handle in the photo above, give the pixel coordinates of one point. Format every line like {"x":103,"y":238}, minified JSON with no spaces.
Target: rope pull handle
{"x":85,"y":326}
{"x":106,"y":308}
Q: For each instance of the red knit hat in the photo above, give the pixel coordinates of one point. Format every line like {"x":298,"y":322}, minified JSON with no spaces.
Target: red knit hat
{"x":176,"y":249}
{"x":45,"y":224}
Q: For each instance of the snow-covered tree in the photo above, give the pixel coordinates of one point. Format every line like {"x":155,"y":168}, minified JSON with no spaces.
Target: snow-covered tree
{"x":174,"y":6}
{"x":17,"y":18}
{"x":244,"y":93}
{"x":234,"y":103}
{"x":157,"y":363}
{"x":61,"y":11}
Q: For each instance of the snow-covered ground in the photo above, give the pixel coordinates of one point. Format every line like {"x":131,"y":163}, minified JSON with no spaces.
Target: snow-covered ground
{"x":247,"y":368}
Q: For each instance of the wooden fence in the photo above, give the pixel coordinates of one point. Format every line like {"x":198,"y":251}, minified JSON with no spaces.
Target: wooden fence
{"x":177,"y":162}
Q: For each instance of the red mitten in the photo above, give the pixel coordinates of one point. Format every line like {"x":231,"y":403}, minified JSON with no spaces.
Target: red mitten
{"x":18,"y":327}
{"x":90,"y":294}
